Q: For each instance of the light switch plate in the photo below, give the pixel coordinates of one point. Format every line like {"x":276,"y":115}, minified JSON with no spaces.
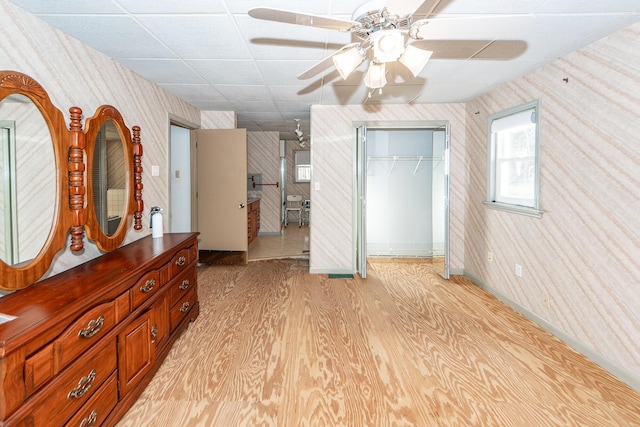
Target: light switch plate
{"x":155,"y":170}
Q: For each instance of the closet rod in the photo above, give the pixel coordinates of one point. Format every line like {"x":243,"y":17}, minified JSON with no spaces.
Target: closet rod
{"x":420,"y":158}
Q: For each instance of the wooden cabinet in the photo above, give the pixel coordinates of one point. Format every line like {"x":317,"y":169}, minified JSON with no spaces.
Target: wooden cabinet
{"x":87,"y":341}
{"x":253,"y":220}
{"x":136,"y":352}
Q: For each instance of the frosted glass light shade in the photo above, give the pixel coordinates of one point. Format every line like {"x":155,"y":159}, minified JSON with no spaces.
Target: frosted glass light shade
{"x":415,"y":59}
{"x":375,"y":77}
{"x":388,"y":45}
{"x":347,"y":61}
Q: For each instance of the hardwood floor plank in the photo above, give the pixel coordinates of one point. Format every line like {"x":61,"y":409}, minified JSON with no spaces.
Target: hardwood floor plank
{"x":276,"y":346}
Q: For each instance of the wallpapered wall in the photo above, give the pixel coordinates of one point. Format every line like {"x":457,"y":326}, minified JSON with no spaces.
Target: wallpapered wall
{"x":585,"y":251}
{"x":332,"y":186}
{"x":263,"y":152}
{"x":75,"y":75}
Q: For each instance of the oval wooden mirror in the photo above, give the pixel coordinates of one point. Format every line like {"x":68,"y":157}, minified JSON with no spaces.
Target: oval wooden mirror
{"x":35,"y":190}
{"x":111,"y":181}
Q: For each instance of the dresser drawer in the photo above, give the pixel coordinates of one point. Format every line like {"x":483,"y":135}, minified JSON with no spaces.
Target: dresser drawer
{"x":75,"y":340}
{"x":56,"y":403}
{"x":181,"y":286}
{"x":180,"y":261}
{"x":181,"y":309}
{"x":98,"y":407}
{"x":144,"y":288}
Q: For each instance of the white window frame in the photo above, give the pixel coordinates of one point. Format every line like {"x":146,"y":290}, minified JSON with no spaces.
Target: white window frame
{"x":506,"y":204}
{"x":302,"y":166}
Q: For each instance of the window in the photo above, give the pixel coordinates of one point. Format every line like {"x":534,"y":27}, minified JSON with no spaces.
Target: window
{"x":302,"y":166}
{"x":513,"y":160}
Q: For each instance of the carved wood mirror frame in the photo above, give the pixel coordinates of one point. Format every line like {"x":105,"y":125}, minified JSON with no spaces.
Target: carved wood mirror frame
{"x":133,"y":166}
{"x":73,"y":210}
{"x":19,"y":276}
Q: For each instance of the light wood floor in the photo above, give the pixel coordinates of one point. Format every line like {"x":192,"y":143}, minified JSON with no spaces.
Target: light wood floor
{"x":276,"y":346}
{"x":292,"y":243}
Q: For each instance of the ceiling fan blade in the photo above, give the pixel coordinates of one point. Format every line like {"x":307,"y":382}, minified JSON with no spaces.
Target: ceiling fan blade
{"x":324,"y":64}
{"x":407,"y":7}
{"x":470,"y":28}
{"x":317,"y":68}
{"x":298,"y":18}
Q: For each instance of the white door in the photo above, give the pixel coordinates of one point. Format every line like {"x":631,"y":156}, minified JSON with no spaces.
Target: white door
{"x":222,"y":189}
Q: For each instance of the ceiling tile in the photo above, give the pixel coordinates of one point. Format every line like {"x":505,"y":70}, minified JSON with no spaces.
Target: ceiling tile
{"x":238,"y":72}
{"x":214,"y":105}
{"x":194,"y":92}
{"x":180,"y":7}
{"x":244,"y":92}
{"x":163,"y":70}
{"x":588,"y":6}
{"x":254,"y":106}
{"x":198,"y":37}
{"x":284,"y":71}
{"x":69,"y":6}
{"x":469,"y":7}
{"x":116,"y":36}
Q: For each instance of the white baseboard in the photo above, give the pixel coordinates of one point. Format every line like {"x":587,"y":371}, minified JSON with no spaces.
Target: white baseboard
{"x":614,"y":368}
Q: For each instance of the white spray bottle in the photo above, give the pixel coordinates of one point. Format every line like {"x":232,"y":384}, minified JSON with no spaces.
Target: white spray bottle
{"x":156,"y":222}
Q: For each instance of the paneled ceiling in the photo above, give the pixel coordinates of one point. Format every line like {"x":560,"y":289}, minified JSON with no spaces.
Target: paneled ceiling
{"x":212,"y":54}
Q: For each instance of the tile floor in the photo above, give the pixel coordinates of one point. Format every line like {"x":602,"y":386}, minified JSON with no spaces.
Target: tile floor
{"x":292,"y":243}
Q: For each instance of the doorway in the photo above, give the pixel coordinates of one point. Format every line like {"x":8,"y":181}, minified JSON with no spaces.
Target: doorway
{"x":180,"y":180}
{"x":402,"y":207}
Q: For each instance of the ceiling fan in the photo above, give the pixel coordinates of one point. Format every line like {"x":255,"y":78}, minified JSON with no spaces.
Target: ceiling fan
{"x":387,"y":30}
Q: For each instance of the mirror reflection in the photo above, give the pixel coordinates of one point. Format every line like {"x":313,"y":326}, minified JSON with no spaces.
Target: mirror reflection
{"x":109,"y":178}
{"x":27,"y":184}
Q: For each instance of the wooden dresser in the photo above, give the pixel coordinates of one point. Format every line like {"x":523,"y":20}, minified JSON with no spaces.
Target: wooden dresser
{"x":86,"y":342}
{"x":253,"y":220}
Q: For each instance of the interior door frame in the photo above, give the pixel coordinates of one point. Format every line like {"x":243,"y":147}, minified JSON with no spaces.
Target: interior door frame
{"x":359,"y":184}
{"x":193,"y":172}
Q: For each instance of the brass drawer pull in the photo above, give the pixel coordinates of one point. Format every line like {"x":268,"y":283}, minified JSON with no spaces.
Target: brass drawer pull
{"x":148,"y":286}
{"x":181,"y":261}
{"x":93,"y":327}
{"x":184,"y":285}
{"x":154,"y":333}
{"x":184,"y":307}
{"x":83,"y":386}
{"x":90,"y":421}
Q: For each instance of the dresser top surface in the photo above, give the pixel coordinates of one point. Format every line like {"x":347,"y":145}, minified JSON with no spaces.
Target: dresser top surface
{"x":73,"y":291}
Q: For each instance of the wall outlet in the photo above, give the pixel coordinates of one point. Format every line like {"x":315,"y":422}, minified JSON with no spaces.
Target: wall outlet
{"x":545,"y":300}
{"x":490,"y":256}
{"x":518,"y":270}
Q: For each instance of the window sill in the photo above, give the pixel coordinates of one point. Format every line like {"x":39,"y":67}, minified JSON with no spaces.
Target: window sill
{"x":521,"y":210}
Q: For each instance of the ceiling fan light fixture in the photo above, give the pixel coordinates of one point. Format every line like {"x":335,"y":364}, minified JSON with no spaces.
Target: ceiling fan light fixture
{"x":375,"y":77}
{"x":415,"y":59}
{"x":348,"y":60}
{"x":388,"y":45}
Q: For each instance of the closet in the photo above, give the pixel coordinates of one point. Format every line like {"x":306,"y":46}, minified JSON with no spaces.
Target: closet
{"x":403,"y":192}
